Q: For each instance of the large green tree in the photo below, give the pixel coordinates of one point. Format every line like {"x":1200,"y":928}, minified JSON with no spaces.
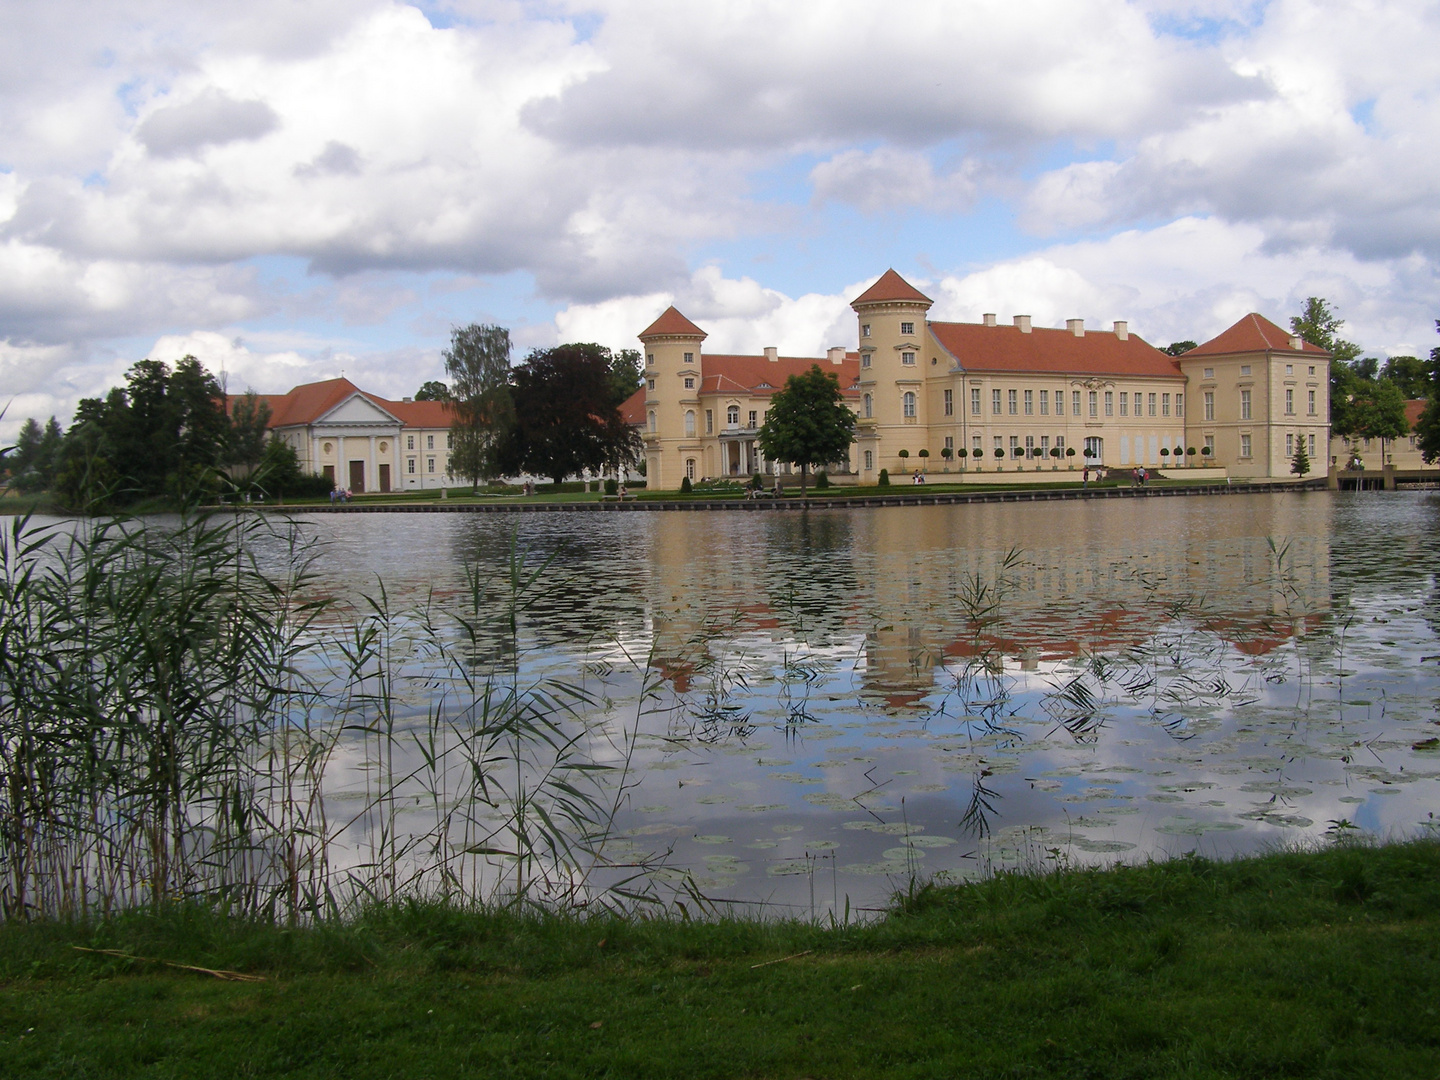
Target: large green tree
{"x":1378,"y":412}
{"x":1320,"y":325}
{"x":808,"y":422}
{"x":36,"y":455}
{"x":1411,"y":374}
{"x":434,"y":390}
{"x":1179,"y":348}
{"x":1427,"y":429}
{"x":566,"y":417}
{"x":249,"y":430}
{"x":478,"y":363}
{"x":625,"y":374}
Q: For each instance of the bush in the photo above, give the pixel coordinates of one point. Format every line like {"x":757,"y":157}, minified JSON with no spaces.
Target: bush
{"x":612,"y":486}
{"x":884,"y":478}
{"x":757,"y":481}
{"x":686,"y":486}
{"x":822,"y":480}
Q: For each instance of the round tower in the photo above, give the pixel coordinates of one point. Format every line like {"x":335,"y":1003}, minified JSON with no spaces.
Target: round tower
{"x":894,"y":342}
{"x":674,"y":423}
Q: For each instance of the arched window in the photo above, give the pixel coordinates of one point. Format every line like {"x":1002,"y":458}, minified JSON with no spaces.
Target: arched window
{"x":689,"y":422}
{"x":690,"y":467}
{"x":651,"y":420}
{"x":909,"y":404}
{"x":869,"y":407}
{"x":732,"y":416}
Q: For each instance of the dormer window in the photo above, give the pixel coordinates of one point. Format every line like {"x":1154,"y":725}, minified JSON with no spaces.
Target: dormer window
{"x":907,"y":328}
{"x":865,"y":330}
{"x":689,"y":358}
{"x":907,"y":358}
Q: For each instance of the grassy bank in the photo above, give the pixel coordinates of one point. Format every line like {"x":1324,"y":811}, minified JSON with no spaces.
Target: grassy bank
{"x":1320,"y":964}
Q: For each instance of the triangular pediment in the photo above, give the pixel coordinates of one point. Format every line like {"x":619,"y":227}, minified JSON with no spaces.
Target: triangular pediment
{"x":358,"y":409}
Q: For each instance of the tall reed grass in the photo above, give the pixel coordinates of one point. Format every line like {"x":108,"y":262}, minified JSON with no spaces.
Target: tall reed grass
{"x":184,"y":715}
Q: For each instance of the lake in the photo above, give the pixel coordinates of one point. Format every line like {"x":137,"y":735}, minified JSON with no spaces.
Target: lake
{"x":805,"y":710}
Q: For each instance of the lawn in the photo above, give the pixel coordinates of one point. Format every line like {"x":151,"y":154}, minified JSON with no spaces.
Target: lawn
{"x":1315,"y":964}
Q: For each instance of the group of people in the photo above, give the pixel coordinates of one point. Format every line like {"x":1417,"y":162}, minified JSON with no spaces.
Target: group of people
{"x":918,"y":478}
{"x":1140,"y":476}
{"x":340,"y":495}
{"x":756,"y":488}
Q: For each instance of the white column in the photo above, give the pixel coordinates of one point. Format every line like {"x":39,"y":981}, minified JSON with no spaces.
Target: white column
{"x":372,"y":481}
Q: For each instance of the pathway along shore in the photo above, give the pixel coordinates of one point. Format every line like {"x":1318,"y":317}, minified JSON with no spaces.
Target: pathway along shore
{"x":909,"y":498}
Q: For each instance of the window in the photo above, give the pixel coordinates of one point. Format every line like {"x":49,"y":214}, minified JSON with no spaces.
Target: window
{"x":1029,"y":402}
{"x":975,"y":400}
{"x":908,"y":359}
{"x":977,"y":447}
{"x":410,"y":465}
{"x":1245,"y":406}
{"x":1150,"y":403}
{"x":429,"y":442}
{"x":650,"y":420}
{"x":650,"y":358}
{"x":1029,"y":446}
{"x":1044,"y":446}
{"x":1209,"y":404}
{"x":1289,"y":402}
{"x":949,"y":402}
{"x":1060,"y":443}
{"x":1310,"y":402}
{"x":1209,"y":373}
{"x":753,"y":417}
{"x":865,"y":330}
{"x":1244,"y":446}
{"x":1109,"y":403}
{"x":689,"y":382}
{"x":865,"y":360}
{"x":689,"y":422}
{"x":907,"y":328}
{"x":949,"y":442}
{"x":689,"y":358}
{"x":1311,"y":440}
{"x":709,"y":422}
{"x":869,"y":456}
{"x":1312,"y":369}
{"x":1012,"y":399}
{"x":1075,"y":403}
{"x":1044,"y":402}
{"x":430,"y":464}
{"x":1179,"y":404}
{"x":732,"y":416}
{"x":449,"y":441}
{"x":690,"y":468}
{"x":995,"y":402}
{"x":1289,"y":445}
{"x":908,"y":405}
{"x":649,"y":384}
{"x":409,"y":442}
{"x":1244,"y":369}
{"x":999,"y":446}
{"x":1124,"y":403}
{"x":868,"y":404}
{"x":1164,"y":404}
{"x":1289,"y":369}
{"x":1094,"y":404}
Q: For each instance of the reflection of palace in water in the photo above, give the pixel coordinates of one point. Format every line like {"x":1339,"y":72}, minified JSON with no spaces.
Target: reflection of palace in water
{"x":892,"y":584}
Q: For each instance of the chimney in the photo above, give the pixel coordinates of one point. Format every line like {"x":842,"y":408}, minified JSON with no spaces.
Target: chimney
{"x":1122,"y":330}
{"x":988,"y":318}
{"x":772,"y":353}
{"x":1297,"y":343}
{"x":836,"y":353}
{"x":407,"y":399}
{"x":1022,"y":323}
{"x":1075,"y":326}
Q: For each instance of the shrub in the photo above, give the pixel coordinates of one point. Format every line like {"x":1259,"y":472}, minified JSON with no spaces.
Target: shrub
{"x":612,"y":486}
{"x":686,"y":486}
{"x":884,"y":478}
{"x":822,"y":479}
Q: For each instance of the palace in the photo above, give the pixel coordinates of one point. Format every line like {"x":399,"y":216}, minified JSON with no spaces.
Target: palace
{"x":984,"y":397}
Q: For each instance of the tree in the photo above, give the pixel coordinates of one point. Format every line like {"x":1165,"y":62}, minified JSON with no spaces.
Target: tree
{"x":1410,"y":374}
{"x":1300,"y":463}
{"x":434,"y":390}
{"x":249,"y":429}
{"x":808,"y":422}
{"x":1427,"y":428}
{"x":1179,"y":348}
{"x":625,"y":374}
{"x":478,"y":363}
{"x":1320,"y":326}
{"x":565,"y":415}
{"x":1378,"y":412}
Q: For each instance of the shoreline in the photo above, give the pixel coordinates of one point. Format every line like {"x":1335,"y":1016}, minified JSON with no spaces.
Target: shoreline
{"x":909,"y":498}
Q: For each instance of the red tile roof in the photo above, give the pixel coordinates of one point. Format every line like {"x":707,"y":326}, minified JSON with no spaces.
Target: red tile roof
{"x":1413,"y":408}
{"x":891,"y":286}
{"x":671,"y":324}
{"x":724,"y":374}
{"x":308,"y":402}
{"x":1253,"y":333}
{"x":632,"y":409}
{"x":427,"y":414}
{"x":1004,"y":348}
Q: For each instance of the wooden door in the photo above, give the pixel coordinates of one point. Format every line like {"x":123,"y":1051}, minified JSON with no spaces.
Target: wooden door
{"x":384,"y":478}
{"x":357,"y":477}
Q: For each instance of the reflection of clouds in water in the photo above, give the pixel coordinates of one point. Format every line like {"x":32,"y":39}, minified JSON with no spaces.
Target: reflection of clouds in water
{"x":835,"y":642}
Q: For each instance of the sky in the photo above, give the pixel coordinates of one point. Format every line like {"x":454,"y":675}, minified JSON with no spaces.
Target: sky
{"x":298,"y":189}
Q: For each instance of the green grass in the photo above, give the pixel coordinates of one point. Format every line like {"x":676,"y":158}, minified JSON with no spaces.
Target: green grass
{"x":1319,"y":964}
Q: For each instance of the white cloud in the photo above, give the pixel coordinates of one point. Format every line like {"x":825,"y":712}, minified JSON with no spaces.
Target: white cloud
{"x":212,"y":118}
{"x":884,"y":178}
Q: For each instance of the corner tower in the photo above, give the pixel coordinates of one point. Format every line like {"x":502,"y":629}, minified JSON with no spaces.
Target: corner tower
{"x":894,"y":340}
{"x":673,"y":423}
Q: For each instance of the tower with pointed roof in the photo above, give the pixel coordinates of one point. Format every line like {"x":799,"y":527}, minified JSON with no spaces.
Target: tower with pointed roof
{"x":672,"y":399}
{"x":892,"y":332}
